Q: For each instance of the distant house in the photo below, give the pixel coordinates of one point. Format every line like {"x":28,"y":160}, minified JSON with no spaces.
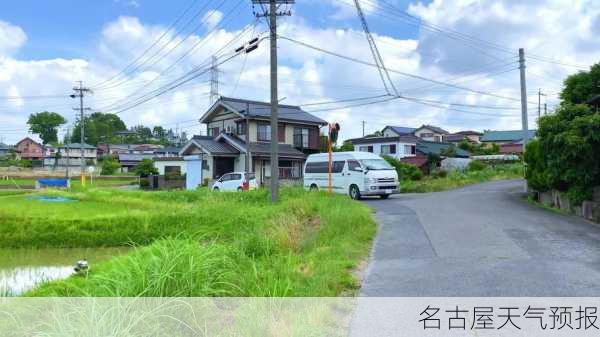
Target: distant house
{"x":430,"y":133}
{"x":4,"y":150}
{"x":454,"y":138}
{"x":394,"y":146}
{"x":29,"y":149}
{"x":239,"y":136}
{"x":167,"y":152}
{"x":470,"y":135}
{"x":70,"y":155}
{"x":510,"y":141}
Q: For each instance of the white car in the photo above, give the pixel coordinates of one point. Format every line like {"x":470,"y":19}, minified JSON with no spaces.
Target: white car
{"x":354,"y":173}
{"x":235,"y":181}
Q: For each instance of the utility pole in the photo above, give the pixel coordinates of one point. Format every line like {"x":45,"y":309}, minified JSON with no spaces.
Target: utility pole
{"x":545,"y":109}
{"x":363,"y":127}
{"x":540,"y":94}
{"x":272,"y":14}
{"x":80,"y":91}
{"x":68,"y":140}
{"x":523,"y":102}
{"x":214,"y":81}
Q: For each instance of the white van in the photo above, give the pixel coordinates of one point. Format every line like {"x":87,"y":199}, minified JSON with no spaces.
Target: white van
{"x":355,"y":173}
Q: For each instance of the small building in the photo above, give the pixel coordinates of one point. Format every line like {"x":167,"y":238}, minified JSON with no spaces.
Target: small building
{"x":29,"y":149}
{"x":129,"y":161}
{"x":395,"y":146}
{"x":170,"y":165}
{"x":430,"y":133}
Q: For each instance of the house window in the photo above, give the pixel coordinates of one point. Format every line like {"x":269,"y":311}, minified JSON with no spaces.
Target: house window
{"x":263,"y":133}
{"x":426,"y":135}
{"x":365,"y":148}
{"x":437,"y":138}
{"x":240,"y":128}
{"x":410,"y":149}
{"x":301,"y":137}
{"x":353,"y":165}
{"x":172,"y":170}
{"x":388,"y":149}
{"x":213,"y":132}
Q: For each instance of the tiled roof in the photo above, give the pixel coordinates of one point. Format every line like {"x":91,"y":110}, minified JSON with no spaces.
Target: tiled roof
{"x":505,"y":136}
{"x":454,"y":137}
{"x":263,"y":109}
{"x":401,"y":129}
{"x":261,"y":149}
{"x":434,"y":129}
{"x":78,"y":146}
{"x":469,"y":133}
{"x":212,"y":146}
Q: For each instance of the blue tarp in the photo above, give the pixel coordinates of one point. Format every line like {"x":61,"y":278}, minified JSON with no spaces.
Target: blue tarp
{"x":53,"y":182}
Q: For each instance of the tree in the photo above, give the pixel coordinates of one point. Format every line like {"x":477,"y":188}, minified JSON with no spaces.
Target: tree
{"x":99,"y":128}
{"x":145,"y":168}
{"x":580,"y":87}
{"x":110,"y":166}
{"x":45,"y":124}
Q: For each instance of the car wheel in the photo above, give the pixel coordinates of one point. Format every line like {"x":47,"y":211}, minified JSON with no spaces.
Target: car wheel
{"x":384,"y":196}
{"x":354,"y":192}
{"x":216,"y":189}
{"x":240,"y":189}
{"x":313,"y":188}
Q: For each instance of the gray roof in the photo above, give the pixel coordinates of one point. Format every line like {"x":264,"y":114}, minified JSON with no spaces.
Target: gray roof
{"x":469,"y":133}
{"x":401,"y":129}
{"x":454,"y":137}
{"x":375,"y":140}
{"x":132,"y":157}
{"x":78,"y":146}
{"x":214,"y":147}
{"x":169,"y":149}
{"x":506,"y":136}
{"x":434,"y":129}
{"x":263,"y":109}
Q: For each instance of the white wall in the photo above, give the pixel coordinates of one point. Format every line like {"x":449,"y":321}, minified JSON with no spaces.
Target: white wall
{"x":400,"y":151}
{"x":160,"y":166}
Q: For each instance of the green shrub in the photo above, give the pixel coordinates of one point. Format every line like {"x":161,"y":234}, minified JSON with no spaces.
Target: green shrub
{"x":476,"y":165}
{"x":146,"y":168}
{"x":439,"y":174}
{"x":109,"y":166}
{"x":405,"y":171}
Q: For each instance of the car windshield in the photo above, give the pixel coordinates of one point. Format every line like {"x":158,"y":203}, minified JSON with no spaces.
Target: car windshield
{"x":376,"y":164}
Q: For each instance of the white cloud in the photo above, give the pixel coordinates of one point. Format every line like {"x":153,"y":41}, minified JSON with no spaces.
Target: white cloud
{"x":555,"y":29}
{"x":212,"y":18}
{"x":11,"y":38}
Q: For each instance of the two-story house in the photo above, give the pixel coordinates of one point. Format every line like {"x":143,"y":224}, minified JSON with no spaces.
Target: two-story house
{"x":70,"y":155}
{"x":239,"y":139}
{"x":430,"y":133}
{"x":394,"y":146}
{"x":29,"y":149}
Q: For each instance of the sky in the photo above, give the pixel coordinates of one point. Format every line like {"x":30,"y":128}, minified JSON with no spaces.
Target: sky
{"x":454,"y":63}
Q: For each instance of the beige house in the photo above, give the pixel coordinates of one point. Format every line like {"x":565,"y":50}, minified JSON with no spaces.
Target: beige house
{"x":430,"y":133}
{"x":239,"y":139}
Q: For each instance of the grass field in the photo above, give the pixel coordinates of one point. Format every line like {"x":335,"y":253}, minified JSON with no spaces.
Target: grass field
{"x":455,"y":179}
{"x":199,"y":243}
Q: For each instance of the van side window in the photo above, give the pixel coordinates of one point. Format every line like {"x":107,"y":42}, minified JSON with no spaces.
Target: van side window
{"x":323,"y":167}
{"x":353,"y":165}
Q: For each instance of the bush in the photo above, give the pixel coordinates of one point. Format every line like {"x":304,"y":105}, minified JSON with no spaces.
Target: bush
{"x":404,"y":170}
{"x":439,"y":174}
{"x":110,"y":166}
{"x":476,"y":165}
{"x":146,"y":168}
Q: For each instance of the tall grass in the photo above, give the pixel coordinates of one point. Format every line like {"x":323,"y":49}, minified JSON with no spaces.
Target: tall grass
{"x":201,"y":243}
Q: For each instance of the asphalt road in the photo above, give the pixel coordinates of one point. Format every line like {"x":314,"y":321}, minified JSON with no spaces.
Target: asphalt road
{"x":481,"y":240}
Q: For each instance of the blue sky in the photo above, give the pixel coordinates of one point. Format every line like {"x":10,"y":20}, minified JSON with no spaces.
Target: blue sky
{"x":45,"y":46}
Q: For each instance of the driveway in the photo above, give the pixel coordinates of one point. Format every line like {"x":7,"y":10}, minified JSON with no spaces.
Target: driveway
{"x":482,"y":240}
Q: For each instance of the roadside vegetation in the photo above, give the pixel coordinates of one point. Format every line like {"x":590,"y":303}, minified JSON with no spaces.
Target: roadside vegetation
{"x":566,"y":154}
{"x":477,"y":172}
{"x":199,"y":243}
